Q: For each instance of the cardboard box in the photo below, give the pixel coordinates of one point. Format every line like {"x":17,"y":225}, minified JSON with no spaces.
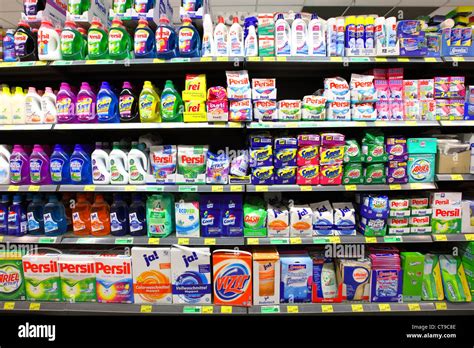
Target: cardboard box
{"x":467,"y":213}
{"x":266,"y":277}
{"x":114,"y":281}
{"x":456,"y":163}
{"x":12,"y":282}
{"x":42,"y":277}
{"x":78,"y":280}
{"x":413,"y":268}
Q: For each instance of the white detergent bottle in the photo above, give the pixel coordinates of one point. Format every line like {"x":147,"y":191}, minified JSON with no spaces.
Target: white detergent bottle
{"x":316,"y":37}
{"x":221,"y":38}
{"x":236,"y":39}
{"x":299,"y":29}
{"x":48,"y":106}
{"x":137,"y":165}
{"x":100,"y":166}
{"x":4,"y":165}
{"x":33,"y":112}
{"x":18,"y":106}
{"x":118,"y":166}
{"x":6,"y":116}
{"x":208,"y":45}
{"x":49,"y":39}
{"x":251,"y":41}
{"x":282,"y":36}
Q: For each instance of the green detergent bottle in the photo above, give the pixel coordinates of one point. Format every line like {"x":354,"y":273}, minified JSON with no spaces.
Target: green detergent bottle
{"x":97,"y":41}
{"x":172,"y":107}
{"x":120,"y":41}
{"x":149,"y":104}
{"x":73,"y":43}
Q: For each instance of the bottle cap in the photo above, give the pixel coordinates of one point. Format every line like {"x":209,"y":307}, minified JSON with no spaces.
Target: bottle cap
{"x":127,"y":85}
{"x":235,"y":20}
{"x":220,"y":19}
{"x":143,"y":22}
{"x":164,"y":19}
{"x":70,"y":24}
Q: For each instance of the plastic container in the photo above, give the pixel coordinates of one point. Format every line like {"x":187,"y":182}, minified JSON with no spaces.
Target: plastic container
{"x":316,"y":37}
{"x":107,"y":105}
{"x":97,"y":41}
{"x":59,"y":166}
{"x":81,"y":216}
{"x":118,"y":166}
{"x":35,"y":216}
{"x":100,"y":217}
{"x":33,"y":110}
{"x":73,"y":42}
{"x":18,"y":106}
{"x":250,"y":37}
{"x":282,"y":36}
{"x":4,"y":165}
{"x":221,"y":38}
{"x":236,"y":39}
{"x":120,"y":42}
{"x":166,"y":39}
{"x":19,"y":166}
{"x":119,"y":216}
{"x":172,"y":106}
{"x":48,"y":106}
{"x":137,"y":165}
{"x":6,"y":114}
{"x":128,"y":104}
{"x":86,"y":105}
{"x":189,"y":41}
{"x":100,"y":166}
{"x":55,"y":221}
{"x":208,"y":45}
{"x":39,"y":167}
{"x":80,"y":167}
{"x":4,"y":204}
{"x":49,"y":42}
{"x":17,"y":220}
{"x":160,"y":215}
{"x":149,"y":104}
{"x":299,"y":34}
{"x":68,"y":202}
{"x":137,"y":216}
{"x":144,"y":40}
{"x":9,"y":54}
{"x":66,"y":104}
{"x":26,"y":43}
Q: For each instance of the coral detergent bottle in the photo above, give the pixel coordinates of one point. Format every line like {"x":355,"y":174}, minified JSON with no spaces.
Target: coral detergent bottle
{"x":81,"y":216}
{"x":166,"y":39}
{"x":189,"y":41}
{"x":120,"y":42}
{"x":100,"y":217}
{"x":97,"y":41}
{"x":73,"y":43}
{"x":144,"y":40}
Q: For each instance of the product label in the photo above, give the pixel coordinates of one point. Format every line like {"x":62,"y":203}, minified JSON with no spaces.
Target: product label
{"x":76,"y":170}
{"x":115,"y":41}
{"x":162,"y":39}
{"x":135,"y":174}
{"x":125,"y":106}
{"x":35,"y":170}
{"x":96,"y":224}
{"x":43,"y":42}
{"x":11,"y":278}
{"x":16,"y":166}
{"x":84,"y":108}
{"x":185,"y":38}
{"x":63,"y":106}
{"x":49,"y":224}
{"x":103,"y":106}
{"x":147,"y":106}
{"x":77,"y":222}
{"x":135,"y":223}
{"x":141,"y":38}
{"x":93,"y":41}
{"x":167,"y":109}
{"x":67,"y":40}
{"x":56,"y":168}
{"x":115,"y":224}
{"x":114,"y":172}
{"x":33,"y":224}
{"x":20,"y":44}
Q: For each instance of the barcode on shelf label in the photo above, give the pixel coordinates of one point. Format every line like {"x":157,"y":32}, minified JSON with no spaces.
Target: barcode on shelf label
{"x":128,"y":240}
{"x":130,"y":188}
{"x":206,"y":59}
{"x":457,"y":177}
{"x":469,"y":237}
{"x":371,"y":239}
{"x":236,"y":188}
{"x":394,"y":187}
{"x":47,"y":240}
{"x":278,"y":241}
{"x":33,"y":188}
{"x":306,"y":188}
{"x":154,"y":241}
{"x":295,"y":241}
{"x":188,"y":189}
{"x":261,"y":188}
{"x":13,"y":188}
{"x":335,"y":240}
{"x":440,"y":237}
{"x":89,"y":188}
{"x":351,"y":187}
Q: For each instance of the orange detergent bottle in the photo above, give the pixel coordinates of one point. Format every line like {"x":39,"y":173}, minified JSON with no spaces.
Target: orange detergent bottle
{"x":100,"y":217}
{"x":81,"y":216}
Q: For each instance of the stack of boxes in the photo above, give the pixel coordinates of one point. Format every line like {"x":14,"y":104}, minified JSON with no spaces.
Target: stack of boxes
{"x":374,"y":212}
{"x":353,"y":170}
{"x":194,"y":97}
{"x":221,"y":215}
{"x":285,"y":161}
{"x":397,"y":152}
{"x":450,"y":93}
{"x":266,"y":35}
{"x":409,"y":216}
{"x":307,"y":159}
{"x":264,"y":95}
{"x":261,"y":160}
{"x":331,"y":158}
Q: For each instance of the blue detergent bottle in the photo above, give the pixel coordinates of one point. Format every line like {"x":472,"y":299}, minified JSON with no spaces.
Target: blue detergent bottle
{"x":137,"y":216}
{"x":4,"y":202}
{"x":59,"y":166}
{"x":17,"y":222}
{"x":119,"y":216}
{"x":80,"y":167}
{"x":34,"y":214}
{"x":144,"y":40}
{"x":107,"y":105}
{"x":189,"y":41}
{"x":166,"y":39}
{"x":55,"y":221}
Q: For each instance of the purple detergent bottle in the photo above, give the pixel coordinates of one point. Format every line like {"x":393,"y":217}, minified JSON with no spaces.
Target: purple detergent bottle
{"x":39,"y":166}
{"x":19,"y":166}
{"x":66,"y":104}
{"x":85,"y":107}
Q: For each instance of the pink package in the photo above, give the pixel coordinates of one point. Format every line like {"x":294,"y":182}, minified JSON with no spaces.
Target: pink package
{"x":395,"y":74}
{"x":411,"y":109}
{"x":410,"y":89}
{"x":442,"y":109}
{"x":456,"y":109}
{"x":396,"y":110}
{"x":378,"y":74}
{"x":383,"y":110}
{"x":426,"y":89}
{"x":428,"y":110}
{"x":396,"y":89}
{"x":441,"y":87}
{"x":382,"y":88}
{"x":332,"y":139}
{"x":331,"y":175}
{"x":308,"y":175}
{"x":456,"y":87}
{"x":309,"y":139}
{"x":216,"y":93}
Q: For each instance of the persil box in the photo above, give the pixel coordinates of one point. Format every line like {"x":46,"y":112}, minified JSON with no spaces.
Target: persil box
{"x":264,"y":89}
{"x":114,"y":281}
{"x":289,"y":110}
{"x":265,"y":110}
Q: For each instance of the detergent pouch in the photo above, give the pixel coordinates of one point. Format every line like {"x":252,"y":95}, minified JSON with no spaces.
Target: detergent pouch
{"x":285,"y":175}
{"x":456,"y":109}
{"x":375,"y":174}
{"x":232,"y":215}
{"x":301,"y":221}
{"x":383,"y":110}
{"x":264,"y":89}
{"x":278,"y":222}
{"x":396,"y":110}
{"x":353,"y":174}
{"x":238,"y":85}
{"x":383,"y":90}
{"x":261,"y":156}
{"x":191,"y":164}
{"x":265,"y":110}
{"x":331,"y":174}
{"x":308,"y":175}
{"x":443,"y":109}
{"x":163,"y":163}
{"x":255,"y":217}
{"x":396,"y":147}
{"x":240,"y":165}
{"x":263,"y":175}
{"x":397,"y":172}
{"x":240,"y":110}
{"x":339,"y":111}
{"x":373,"y":148}
{"x":364,"y":112}
{"x":344,"y":219}
{"x":313,"y":108}
{"x":210,"y":210}
{"x":336,"y":89}
{"x":396,"y":89}
{"x":296,"y":277}
{"x":217,"y":169}
{"x":285,"y":152}
{"x":289,"y":110}
{"x":432,"y":286}
{"x":352,"y":152}
{"x":323,"y":218}
{"x":363,"y":89}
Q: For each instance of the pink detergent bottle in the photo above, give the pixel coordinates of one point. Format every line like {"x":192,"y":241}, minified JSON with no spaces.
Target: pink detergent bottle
{"x":19,"y":166}
{"x":85,"y":107}
{"x":39,"y":166}
{"x":66,"y":104}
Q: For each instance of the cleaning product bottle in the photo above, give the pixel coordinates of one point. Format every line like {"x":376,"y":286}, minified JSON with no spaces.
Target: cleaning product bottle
{"x":149,"y":104}
{"x":86,"y":104}
{"x":48,"y":106}
{"x":9,"y":54}
{"x":80,"y":167}
{"x":4,"y":165}
{"x":68,"y":202}
{"x":78,"y":7}
{"x":172,"y":106}
{"x":26,"y":44}
{"x":119,"y":216}
{"x":221,"y":38}
{"x":39,"y":166}
{"x":189,"y":41}
{"x":143,"y":6}
{"x":128,"y":104}
{"x":369,"y":32}
{"x":18,"y":106}
{"x":340,"y":26}
{"x":33,"y":112}
{"x":144,"y":40}
{"x":118,"y":166}
{"x":107,"y":105}
{"x":97,"y":41}
{"x":6,"y":115}
{"x":282,"y":36}
{"x":120,"y":42}
{"x":59,"y":166}
{"x":316,"y":37}
{"x":350,"y":31}
{"x":81,"y":216}
{"x":236,"y":39}
{"x":17,"y":220}
{"x":250,"y":37}
{"x":166,"y":39}
{"x":122,"y":6}
{"x":55,"y":222}
{"x":66,"y":104}
{"x":19,"y":166}
{"x":100,"y":166}
{"x":34,"y":215}
{"x":49,"y":47}
{"x":137,"y":216}
{"x":160,"y":215}
{"x":137,"y":165}
{"x":208,"y":46}
{"x":299,"y":33}
{"x":100,"y":217}
{"x":4,"y":204}
{"x":360,"y":32}
{"x":73,"y":43}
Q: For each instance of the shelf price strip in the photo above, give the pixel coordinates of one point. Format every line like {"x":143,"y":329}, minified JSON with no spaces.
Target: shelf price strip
{"x":269,"y":309}
{"x":192,"y":309}
{"x":145,"y":309}
{"x":292,"y":309}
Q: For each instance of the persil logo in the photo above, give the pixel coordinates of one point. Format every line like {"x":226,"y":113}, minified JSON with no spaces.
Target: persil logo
{"x":186,"y":33}
{"x":263,"y":83}
{"x":448,"y":213}
{"x":231,"y":281}
{"x":439,"y":202}
{"x":141,"y":35}
{"x":241,"y":81}
{"x":79,"y":268}
{"x":67,"y":36}
{"x":36,"y":267}
{"x":192,"y":159}
{"x":401,"y":221}
{"x":94,"y":37}
{"x":267,"y":104}
{"x":421,"y":220}
{"x":399,"y":204}
{"x":334,"y":85}
{"x":288,"y":105}
{"x":116,"y":35}
{"x":162,"y":159}
{"x":362,"y":84}
{"x":104,"y":268}
{"x":340,"y":104}
{"x":241,"y":104}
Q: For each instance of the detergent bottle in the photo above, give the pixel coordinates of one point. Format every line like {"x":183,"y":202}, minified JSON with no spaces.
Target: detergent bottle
{"x":97,"y":41}
{"x":137,"y":165}
{"x":128,"y":104}
{"x":80,"y":167}
{"x":17,"y":220}
{"x":4,"y":165}
{"x":78,"y":7}
{"x":39,"y":167}
{"x":107,"y":105}
{"x":48,"y":106}
{"x":55,"y":221}
{"x":4,"y":204}
{"x":6,"y":115}
{"x":18,"y":106}
{"x":208,"y":47}
{"x":143,"y":6}
{"x":66,"y":104}
{"x":137,"y":216}
{"x":26,"y":44}
{"x":81,"y":216}
{"x":19,"y":166}
{"x":120,"y":42}
{"x":119,"y":216}
{"x":34,"y":215}
{"x":73,"y":43}
{"x":100,"y":217}
{"x":189,"y":41}
{"x":100,"y":166}
{"x":250,"y":37}
{"x":149,"y":104}
{"x":68,"y":202}
{"x":118,"y":166}
{"x":299,"y":29}
{"x":236,"y":39}
{"x":9,"y":54}
{"x":172,"y":106}
{"x":166,"y":39}
{"x":221,"y":38}
{"x":86,"y":105}
{"x":282,"y":36}
{"x":33,"y":112}
{"x":49,"y":47}
{"x":144,"y":40}
{"x":59,"y":166}
{"x":122,"y":6}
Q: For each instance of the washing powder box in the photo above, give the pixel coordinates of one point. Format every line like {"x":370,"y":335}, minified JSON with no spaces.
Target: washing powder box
{"x":12,"y":282}
{"x":78,"y":280}
{"x":114,"y":281}
{"x":41,"y":274}
{"x":264,"y":89}
{"x":151,"y":275}
{"x":467,"y":216}
{"x":266,"y":277}
{"x":446,"y":218}
{"x":296,"y":277}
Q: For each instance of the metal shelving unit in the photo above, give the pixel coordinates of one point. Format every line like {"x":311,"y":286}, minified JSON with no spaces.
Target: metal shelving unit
{"x":454,"y":177}
{"x":145,"y":126}
{"x":28,"y":188}
{"x":329,"y":188}
{"x":151,"y":188}
{"x":340,"y":124}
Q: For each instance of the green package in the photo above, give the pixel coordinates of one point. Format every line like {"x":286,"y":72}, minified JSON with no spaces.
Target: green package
{"x":455,"y":284}
{"x":353,"y":174}
{"x":160,"y":215}
{"x":42,"y":281}
{"x":12,"y":282}
{"x":352,"y":152}
{"x":373,"y":148}
{"x":78,"y":281}
{"x":255,"y":217}
{"x":192,"y":163}
{"x":375,"y":174}
{"x":432,"y":286}
{"x":413,"y":270}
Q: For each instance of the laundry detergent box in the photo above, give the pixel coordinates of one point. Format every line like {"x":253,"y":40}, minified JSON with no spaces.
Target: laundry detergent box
{"x":285,"y":175}
{"x":432,"y":284}
{"x":301,"y":221}
{"x":232,"y":277}
{"x":266,"y":276}
{"x":289,"y":110}
{"x":191,"y":275}
{"x":331,"y":174}
{"x":265,"y":110}
{"x":285,"y":151}
{"x":446,"y":218}
{"x":413,"y":270}
{"x":323,"y":218}
{"x":12,"y":281}
{"x":278,"y":222}
{"x":187,"y":218}
{"x":114,"y":281}
{"x":467,"y":216}
{"x":456,"y":288}
{"x":41,"y":272}
{"x":296,"y":277}
{"x":151,"y":268}
{"x":421,"y":168}
{"x":308,"y":175}
{"x":325,"y":287}
{"x":313,"y":108}
{"x":191,"y":164}
{"x":78,"y":278}
{"x":264,"y":89}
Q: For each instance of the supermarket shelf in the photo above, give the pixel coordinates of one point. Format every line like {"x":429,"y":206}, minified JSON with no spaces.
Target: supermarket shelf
{"x":458,"y":59}
{"x":454,"y":177}
{"x":459,"y":237}
{"x":29,"y":306}
{"x":28,"y":239}
{"x":357,"y":239}
{"x":340,"y":124}
{"x":310,"y":59}
{"x":320,"y":188}
{"x":465,"y":123}
{"x":28,"y":188}
{"x":26,"y":127}
{"x":110,"y":240}
{"x":454,"y":307}
{"x":151,"y":188}
{"x":143,"y":126}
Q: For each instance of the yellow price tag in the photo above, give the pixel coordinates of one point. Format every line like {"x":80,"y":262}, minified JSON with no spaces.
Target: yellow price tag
{"x":154,"y":241}
{"x":411,"y":123}
{"x":441,"y":306}
{"x":226,"y":309}
{"x":469,"y":237}
{"x":91,"y":62}
{"x":414,"y":307}
{"x":335,"y":240}
{"x":207,"y":309}
{"x":306,"y":188}
{"x":1,"y":239}
{"x":218,"y":188}
{"x":371,"y":239}
{"x":253,"y":59}
{"x":380,"y":59}
{"x":292,"y":309}
{"x":296,"y":241}
{"x":206,"y":59}
{"x":8,"y":306}
{"x":327,"y":308}
{"x":252,"y":241}
{"x":261,"y":188}
{"x":34,"y":188}
{"x":268,"y":59}
{"x":222,"y":59}
{"x":236,"y":188}
{"x":130,"y":188}
{"x":430,"y":59}
{"x":394,"y":187}
{"x":440,"y":237}
{"x":385,"y":307}
{"x":457,"y":177}
{"x":183,"y":241}
{"x":89,"y":188}
{"x":403,"y":60}
{"x":362,"y":123}
{"x":281,"y":59}
{"x":416,"y":186}
{"x":13,"y":188}
{"x":351,"y":187}
{"x":209,"y":241}
{"x":145,"y":308}
{"x":157,"y":60}
{"x":458,"y":59}
{"x":357,"y":308}
{"x":35,"y":306}
{"x":335,"y":59}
